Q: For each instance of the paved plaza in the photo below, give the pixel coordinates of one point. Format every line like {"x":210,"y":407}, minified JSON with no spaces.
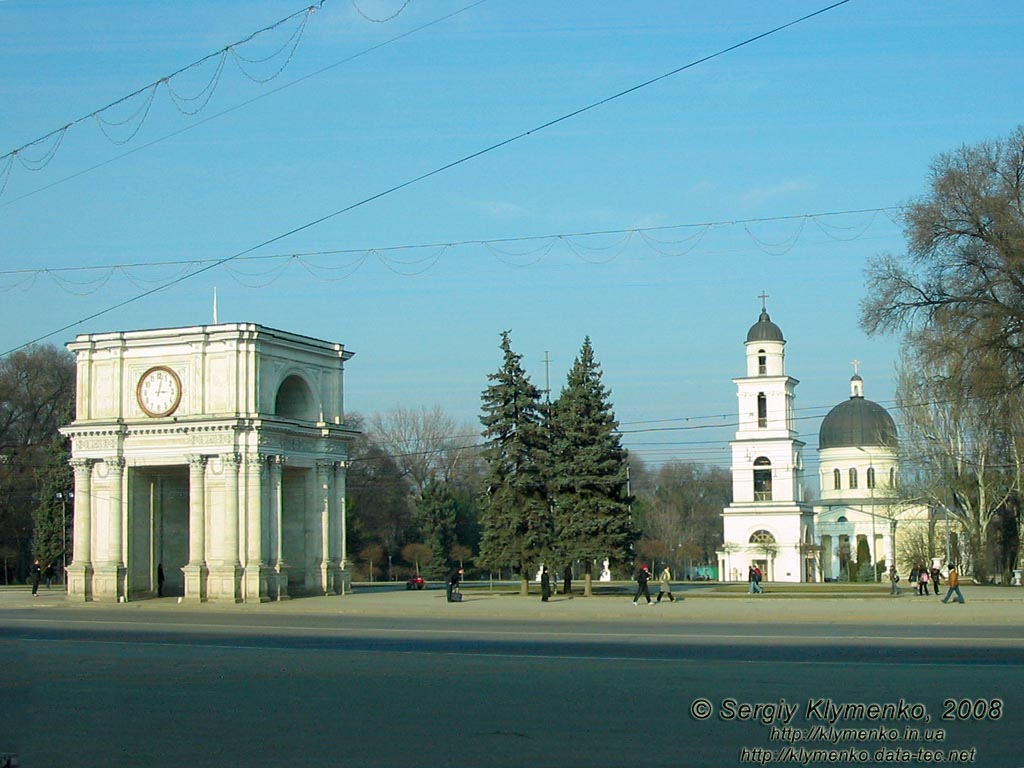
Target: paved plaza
{"x":387,"y":678}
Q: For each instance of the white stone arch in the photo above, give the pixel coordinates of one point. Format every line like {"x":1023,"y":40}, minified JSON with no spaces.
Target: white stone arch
{"x":296,"y":398}
{"x":235,"y":491}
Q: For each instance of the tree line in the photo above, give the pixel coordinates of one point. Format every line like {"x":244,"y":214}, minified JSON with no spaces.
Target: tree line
{"x":548,"y":483}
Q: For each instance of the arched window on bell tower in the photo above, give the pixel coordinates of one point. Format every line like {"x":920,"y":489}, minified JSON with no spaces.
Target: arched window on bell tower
{"x":762,"y":410}
{"x":762,"y":479}
{"x":837,"y":479}
{"x":762,"y":363}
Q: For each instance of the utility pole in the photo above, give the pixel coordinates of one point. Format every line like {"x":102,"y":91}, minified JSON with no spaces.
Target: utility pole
{"x":547,"y":376}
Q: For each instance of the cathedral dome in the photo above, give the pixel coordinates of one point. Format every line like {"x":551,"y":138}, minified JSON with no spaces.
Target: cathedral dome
{"x":764,"y":330}
{"x":857,"y":422}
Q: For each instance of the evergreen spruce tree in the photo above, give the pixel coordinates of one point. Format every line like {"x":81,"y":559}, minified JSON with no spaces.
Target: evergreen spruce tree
{"x":438,"y":512}
{"x":515,"y":516}
{"x":589,"y":478}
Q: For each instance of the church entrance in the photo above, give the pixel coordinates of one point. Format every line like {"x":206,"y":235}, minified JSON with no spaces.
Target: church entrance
{"x":157,"y":530}
{"x":763,"y":565}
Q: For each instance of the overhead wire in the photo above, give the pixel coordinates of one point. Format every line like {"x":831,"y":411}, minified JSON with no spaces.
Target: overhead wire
{"x":546,"y":243}
{"x":436,"y":171}
{"x":5,"y":171}
{"x":52,"y":140}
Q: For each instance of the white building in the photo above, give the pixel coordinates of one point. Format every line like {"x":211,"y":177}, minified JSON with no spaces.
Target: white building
{"x":769,"y":523}
{"x":215,"y":455}
{"x":859,"y":473}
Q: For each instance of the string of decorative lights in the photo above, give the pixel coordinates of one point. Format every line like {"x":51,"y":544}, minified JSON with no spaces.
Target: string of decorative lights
{"x":541,"y":246}
{"x":394,"y":15}
{"x":49,"y":143}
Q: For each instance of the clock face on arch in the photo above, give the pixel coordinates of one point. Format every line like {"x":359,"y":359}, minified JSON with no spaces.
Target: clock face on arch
{"x":159,"y":391}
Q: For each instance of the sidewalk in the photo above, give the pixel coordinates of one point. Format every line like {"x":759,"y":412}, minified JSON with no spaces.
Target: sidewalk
{"x":812,"y":604}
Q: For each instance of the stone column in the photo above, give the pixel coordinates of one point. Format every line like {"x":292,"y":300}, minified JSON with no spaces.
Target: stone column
{"x":108,"y":580}
{"x":339,"y":529}
{"x":196,"y":571}
{"x":325,"y":477}
{"x":277,"y":525}
{"x":225,"y":571}
{"x":255,"y":561}
{"x":80,"y":571}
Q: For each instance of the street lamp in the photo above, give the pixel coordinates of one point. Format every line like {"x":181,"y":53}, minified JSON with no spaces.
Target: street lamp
{"x":870,"y":480}
{"x":64,"y":497}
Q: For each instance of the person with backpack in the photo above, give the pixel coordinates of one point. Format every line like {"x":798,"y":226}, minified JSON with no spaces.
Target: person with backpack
{"x":936,"y":574}
{"x":922,"y":581}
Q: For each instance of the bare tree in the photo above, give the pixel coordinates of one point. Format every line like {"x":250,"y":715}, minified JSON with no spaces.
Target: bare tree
{"x":681,"y":504}
{"x":958,"y":451}
{"x":426,"y":444}
{"x":963,"y":273}
{"x":958,"y":295}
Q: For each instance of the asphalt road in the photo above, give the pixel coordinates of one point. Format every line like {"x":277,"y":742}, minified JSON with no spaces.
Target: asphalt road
{"x":408,"y":680}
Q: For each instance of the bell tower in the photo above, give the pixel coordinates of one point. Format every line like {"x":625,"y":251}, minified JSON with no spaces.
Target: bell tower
{"x":768,"y":520}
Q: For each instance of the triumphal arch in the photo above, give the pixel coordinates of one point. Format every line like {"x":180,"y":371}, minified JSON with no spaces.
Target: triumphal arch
{"x":209,"y":464}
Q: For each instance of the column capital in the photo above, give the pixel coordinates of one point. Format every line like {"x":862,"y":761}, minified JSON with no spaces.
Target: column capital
{"x":115,"y":463}
{"x":230,"y":460}
{"x":82,"y":466}
{"x":255,"y":460}
{"x":197,"y":461}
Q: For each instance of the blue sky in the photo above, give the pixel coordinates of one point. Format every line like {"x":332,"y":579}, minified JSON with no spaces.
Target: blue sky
{"x":843,"y":112}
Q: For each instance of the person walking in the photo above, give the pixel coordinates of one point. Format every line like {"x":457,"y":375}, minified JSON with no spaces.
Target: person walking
{"x":936,"y":574}
{"x":751,"y":583}
{"x":453,"y":584}
{"x":953,"y":582}
{"x":894,"y":578}
{"x":665,"y":585}
{"x":758,"y":589}
{"x":922,"y":581}
{"x":545,"y":584}
{"x":160,"y":579}
{"x":35,"y":573}
{"x":49,"y":573}
{"x":642,"y":577}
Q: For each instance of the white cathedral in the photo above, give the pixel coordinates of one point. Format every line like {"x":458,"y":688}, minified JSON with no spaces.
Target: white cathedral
{"x":770,"y":523}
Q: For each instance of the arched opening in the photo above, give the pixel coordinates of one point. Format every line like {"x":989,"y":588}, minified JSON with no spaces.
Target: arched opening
{"x":762,"y":410}
{"x":871,"y":477}
{"x":762,"y":479}
{"x":762,"y":537}
{"x":762,"y":363}
{"x":837,"y":479}
{"x":853,"y":477}
{"x":295,"y":400}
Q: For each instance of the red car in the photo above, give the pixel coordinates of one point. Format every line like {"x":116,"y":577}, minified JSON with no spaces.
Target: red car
{"x":416,"y":582}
